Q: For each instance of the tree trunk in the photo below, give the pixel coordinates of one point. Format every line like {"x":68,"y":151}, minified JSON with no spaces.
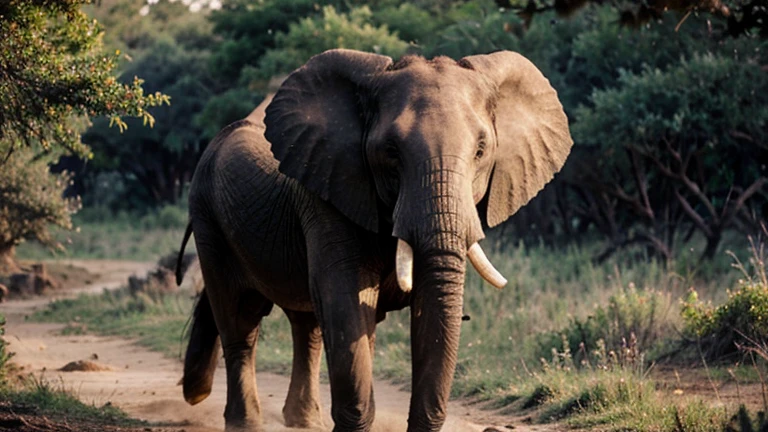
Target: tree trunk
{"x":8,"y":263}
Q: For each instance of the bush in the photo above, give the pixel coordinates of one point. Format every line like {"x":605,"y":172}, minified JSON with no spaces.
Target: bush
{"x":32,"y":200}
{"x":742,"y":321}
{"x":633,"y":322}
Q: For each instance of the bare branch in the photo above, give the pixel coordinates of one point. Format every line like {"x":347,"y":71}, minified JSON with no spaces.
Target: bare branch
{"x":695,"y":217}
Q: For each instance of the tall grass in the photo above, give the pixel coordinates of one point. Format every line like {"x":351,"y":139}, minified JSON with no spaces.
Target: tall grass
{"x":102,"y":234}
{"x":551,"y":292}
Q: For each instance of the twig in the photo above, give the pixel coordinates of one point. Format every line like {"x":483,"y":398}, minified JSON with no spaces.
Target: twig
{"x":709,"y":376}
{"x":677,"y":27}
{"x":762,"y":382}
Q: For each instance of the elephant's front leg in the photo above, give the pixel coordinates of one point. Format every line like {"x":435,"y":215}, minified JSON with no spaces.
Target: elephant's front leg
{"x":344,"y":295}
{"x":302,"y":405}
{"x":348,"y":317}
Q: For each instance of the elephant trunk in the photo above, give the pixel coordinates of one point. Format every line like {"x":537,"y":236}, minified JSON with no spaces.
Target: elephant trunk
{"x":444,"y":203}
{"x":436,"y":311}
{"x":435,"y":223}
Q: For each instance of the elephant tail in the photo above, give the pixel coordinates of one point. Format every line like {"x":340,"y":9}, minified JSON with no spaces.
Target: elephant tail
{"x":202,"y":353}
{"x":187,"y":233}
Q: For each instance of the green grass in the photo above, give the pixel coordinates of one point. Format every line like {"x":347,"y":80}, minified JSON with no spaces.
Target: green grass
{"x":101,"y":234}
{"x":41,"y":397}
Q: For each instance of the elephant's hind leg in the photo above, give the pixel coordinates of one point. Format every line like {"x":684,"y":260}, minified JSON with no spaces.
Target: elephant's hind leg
{"x":238,"y":309}
{"x":302,"y":405}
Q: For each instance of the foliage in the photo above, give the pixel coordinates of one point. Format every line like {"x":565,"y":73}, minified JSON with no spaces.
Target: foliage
{"x":744,"y":17}
{"x":248,"y":29}
{"x":31,"y":201}
{"x":721,"y":330}
{"x":482,"y":31}
{"x":739,"y":324}
{"x":313,"y":35}
{"x":660,"y":138}
{"x":653,"y":118}
{"x":631,"y":324}
{"x":170,"y":46}
{"x":53,"y":71}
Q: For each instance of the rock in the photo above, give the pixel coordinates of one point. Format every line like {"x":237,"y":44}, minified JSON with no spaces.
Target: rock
{"x":160,"y":280}
{"x":84,"y":366}
{"x":36,"y":282}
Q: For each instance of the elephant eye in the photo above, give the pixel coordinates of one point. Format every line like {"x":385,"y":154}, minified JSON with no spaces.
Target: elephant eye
{"x":392,"y":153}
{"x":480,"y":149}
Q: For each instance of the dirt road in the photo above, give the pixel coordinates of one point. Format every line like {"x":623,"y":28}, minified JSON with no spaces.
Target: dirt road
{"x":144,"y":383}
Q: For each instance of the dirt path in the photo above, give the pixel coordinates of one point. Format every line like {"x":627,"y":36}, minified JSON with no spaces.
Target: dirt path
{"x":144,"y":383}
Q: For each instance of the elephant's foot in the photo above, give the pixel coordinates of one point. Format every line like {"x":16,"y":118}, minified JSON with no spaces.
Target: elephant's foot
{"x":303,"y":415}
{"x":244,"y":426}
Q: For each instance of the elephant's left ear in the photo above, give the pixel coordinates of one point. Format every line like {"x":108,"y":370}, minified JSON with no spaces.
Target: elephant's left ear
{"x":531,"y":128}
{"x":315,"y":125}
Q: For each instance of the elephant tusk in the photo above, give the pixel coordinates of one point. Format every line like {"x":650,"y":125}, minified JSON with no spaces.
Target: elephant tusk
{"x":404,"y":265}
{"x":484,"y":267}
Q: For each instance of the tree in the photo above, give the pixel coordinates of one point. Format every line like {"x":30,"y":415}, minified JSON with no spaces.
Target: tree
{"x":54,"y":75}
{"x":171,"y":47}
{"x":686,"y":144}
{"x":701,"y":169}
{"x":32,"y":200}
{"x":742,"y":17}
{"x":313,"y":35}
{"x":52,"y":71}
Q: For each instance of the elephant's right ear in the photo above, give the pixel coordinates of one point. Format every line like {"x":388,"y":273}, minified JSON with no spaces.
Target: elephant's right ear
{"x":531,"y":128}
{"x":315,"y":125}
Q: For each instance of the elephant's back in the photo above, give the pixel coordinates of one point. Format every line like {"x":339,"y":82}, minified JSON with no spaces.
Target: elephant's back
{"x":238,"y":189}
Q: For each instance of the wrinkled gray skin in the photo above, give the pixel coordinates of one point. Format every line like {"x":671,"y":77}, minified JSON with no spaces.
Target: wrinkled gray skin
{"x":369,"y":152}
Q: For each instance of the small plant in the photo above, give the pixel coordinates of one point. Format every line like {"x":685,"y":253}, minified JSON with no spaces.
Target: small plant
{"x":741,"y":321}
{"x":632,"y":322}
{"x":4,"y":354}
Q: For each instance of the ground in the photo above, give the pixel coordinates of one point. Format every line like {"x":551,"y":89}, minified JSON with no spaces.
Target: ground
{"x":145,"y":383}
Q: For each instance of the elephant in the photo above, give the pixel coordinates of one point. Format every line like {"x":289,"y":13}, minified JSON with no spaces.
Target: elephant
{"x":361,"y":187}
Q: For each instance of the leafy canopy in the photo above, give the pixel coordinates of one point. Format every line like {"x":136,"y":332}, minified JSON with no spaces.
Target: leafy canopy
{"x":53,"y":72}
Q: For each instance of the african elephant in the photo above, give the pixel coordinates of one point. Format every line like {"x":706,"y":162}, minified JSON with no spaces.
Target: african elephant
{"x":360,"y":189}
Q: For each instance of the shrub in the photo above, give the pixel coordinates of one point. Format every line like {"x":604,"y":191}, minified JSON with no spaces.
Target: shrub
{"x":741,"y":321}
{"x":32,"y":200}
{"x":632,"y":323}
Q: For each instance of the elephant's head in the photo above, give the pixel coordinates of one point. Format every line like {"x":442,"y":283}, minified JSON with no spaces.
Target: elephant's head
{"x":426,"y":149}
